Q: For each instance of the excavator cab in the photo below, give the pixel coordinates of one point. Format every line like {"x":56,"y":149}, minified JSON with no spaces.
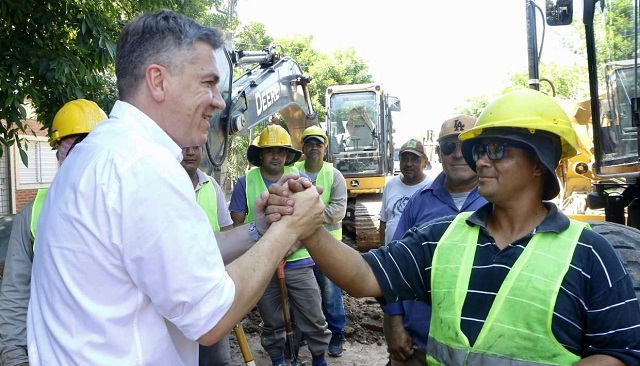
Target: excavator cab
{"x":360,"y":131}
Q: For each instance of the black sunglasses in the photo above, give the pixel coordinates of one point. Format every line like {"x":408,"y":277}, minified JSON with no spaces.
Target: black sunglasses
{"x":448,"y":147}
{"x":494,"y":149}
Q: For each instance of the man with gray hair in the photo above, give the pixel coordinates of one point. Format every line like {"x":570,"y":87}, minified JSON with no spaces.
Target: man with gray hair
{"x":128,"y":270}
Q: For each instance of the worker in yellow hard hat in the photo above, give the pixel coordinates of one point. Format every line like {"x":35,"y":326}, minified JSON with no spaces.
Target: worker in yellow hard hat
{"x":273,"y":137}
{"x":514,"y":273}
{"x":314,"y":143}
{"x":71,"y":125}
{"x":274,"y":155}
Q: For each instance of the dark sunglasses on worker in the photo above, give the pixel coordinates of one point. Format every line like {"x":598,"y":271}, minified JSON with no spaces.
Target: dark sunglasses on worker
{"x":448,"y":147}
{"x":494,"y":149}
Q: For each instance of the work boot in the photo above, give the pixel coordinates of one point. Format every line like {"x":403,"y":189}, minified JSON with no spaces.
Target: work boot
{"x":335,"y":345}
{"x":318,"y":360}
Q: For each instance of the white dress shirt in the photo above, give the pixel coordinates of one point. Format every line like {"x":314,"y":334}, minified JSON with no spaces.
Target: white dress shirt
{"x":127,"y":270}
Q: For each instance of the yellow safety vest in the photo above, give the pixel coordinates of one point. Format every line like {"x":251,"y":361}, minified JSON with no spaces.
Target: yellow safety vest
{"x":35,"y":211}
{"x":517,"y":330}
{"x":325,"y":180}
{"x":254,"y":187}
{"x":208,"y":200}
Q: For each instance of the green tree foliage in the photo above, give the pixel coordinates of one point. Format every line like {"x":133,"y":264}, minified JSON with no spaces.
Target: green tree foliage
{"x":473,"y":106}
{"x":252,"y":36}
{"x":341,"y":67}
{"x":54,"y":51}
{"x":619,"y":39}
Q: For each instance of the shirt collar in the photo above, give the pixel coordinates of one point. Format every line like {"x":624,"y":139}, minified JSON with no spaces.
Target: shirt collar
{"x":554,"y":222}
{"x":129,"y":113}
{"x":202,"y":179}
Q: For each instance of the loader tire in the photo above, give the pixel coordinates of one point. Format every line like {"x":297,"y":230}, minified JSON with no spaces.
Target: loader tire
{"x":626,"y":242}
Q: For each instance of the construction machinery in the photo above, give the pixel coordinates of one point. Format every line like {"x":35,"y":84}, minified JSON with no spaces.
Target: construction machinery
{"x":359,"y":126}
{"x":360,"y":130}
{"x":270,"y":84}
{"x":603,"y":179}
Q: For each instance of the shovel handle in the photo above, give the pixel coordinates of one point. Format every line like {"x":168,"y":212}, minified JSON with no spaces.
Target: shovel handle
{"x":280,"y":269}
{"x":244,"y":345}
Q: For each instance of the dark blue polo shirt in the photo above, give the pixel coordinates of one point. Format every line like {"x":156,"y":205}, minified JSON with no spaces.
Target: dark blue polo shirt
{"x":596,"y":311}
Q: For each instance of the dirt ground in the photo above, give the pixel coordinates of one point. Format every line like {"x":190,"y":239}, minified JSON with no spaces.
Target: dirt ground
{"x":364,"y":345}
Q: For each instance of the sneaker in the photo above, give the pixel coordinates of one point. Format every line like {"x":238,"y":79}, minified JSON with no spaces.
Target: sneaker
{"x":335,"y":345}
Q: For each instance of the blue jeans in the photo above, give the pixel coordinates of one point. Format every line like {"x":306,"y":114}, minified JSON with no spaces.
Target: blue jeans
{"x":218,"y":354}
{"x":332,"y":303}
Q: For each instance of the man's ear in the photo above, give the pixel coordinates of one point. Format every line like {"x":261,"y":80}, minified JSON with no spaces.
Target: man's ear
{"x":155,"y":78}
{"x":539,"y":169}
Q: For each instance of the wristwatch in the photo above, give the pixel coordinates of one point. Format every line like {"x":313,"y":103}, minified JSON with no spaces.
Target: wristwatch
{"x":253,"y":231}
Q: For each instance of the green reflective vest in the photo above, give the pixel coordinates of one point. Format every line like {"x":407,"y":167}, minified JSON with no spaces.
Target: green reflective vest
{"x":254,"y":187}
{"x":35,"y":211}
{"x":517,"y":330}
{"x":325,"y":180}
{"x":208,"y":200}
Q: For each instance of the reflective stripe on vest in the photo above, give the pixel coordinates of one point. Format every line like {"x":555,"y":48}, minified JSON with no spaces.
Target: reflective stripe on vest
{"x":35,"y":211}
{"x":325,"y":180}
{"x":254,"y":187}
{"x":517,"y":330}
{"x":208,"y":200}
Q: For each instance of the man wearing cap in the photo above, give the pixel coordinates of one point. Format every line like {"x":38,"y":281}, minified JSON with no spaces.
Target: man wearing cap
{"x":401,"y":187}
{"x":453,"y":191}
{"x":334,"y":197}
{"x":516,"y":281}
{"x":395,"y":196}
{"x":273,"y":155}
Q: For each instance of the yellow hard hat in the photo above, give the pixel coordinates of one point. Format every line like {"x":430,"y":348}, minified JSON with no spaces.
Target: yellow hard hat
{"x":75,"y":117}
{"x":272,"y":136}
{"x":528,"y":109}
{"x":531,"y":118}
{"x":314,"y":131}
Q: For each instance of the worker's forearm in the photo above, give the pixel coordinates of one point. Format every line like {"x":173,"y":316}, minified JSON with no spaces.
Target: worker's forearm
{"x":233,"y":243}
{"x":342,"y":264}
{"x":251,"y":272}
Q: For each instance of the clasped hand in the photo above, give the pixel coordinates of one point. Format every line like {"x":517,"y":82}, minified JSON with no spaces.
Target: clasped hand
{"x":291,"y":201}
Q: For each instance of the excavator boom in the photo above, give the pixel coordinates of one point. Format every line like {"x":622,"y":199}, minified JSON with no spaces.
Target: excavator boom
{"x":272,"y":84}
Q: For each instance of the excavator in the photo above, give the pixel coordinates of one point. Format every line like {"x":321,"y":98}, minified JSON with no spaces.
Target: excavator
{"x":271,"y":84}
{"x":360,"y":130}
{"x":359,"y":126}
{"x":603,"y":180}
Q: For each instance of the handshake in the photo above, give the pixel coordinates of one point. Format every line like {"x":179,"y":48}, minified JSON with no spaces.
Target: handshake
{"x":292,"y":204}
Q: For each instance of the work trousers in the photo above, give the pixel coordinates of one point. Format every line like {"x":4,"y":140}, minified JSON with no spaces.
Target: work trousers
{"x":218,"y":354}
{"x":332,"y":302}
{"x":305,"y":304}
